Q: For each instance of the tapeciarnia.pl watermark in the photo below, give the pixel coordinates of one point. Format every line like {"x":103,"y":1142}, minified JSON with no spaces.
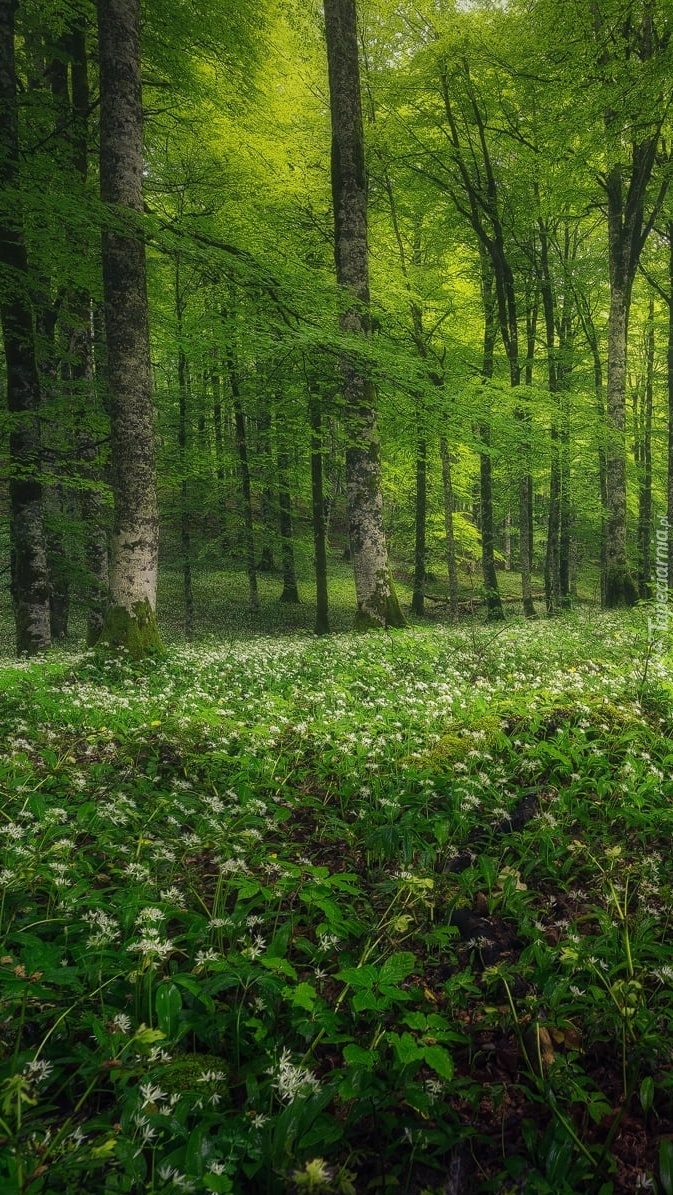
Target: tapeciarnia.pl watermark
{"x":658,"y":623}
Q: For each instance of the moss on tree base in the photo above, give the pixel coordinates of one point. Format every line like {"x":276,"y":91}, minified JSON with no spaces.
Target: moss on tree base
{"x":390,"y":616}
{"x":135,"y":630}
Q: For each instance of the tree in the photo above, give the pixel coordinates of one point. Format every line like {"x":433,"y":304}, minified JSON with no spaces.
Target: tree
{"x":30,"y":580}
{"x":130,"y":619}
{"x":377,"y":603}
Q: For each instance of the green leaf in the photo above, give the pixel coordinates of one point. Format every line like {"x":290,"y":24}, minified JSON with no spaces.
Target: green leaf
{"x":406,"y":1048}
{"x":356,"y":1055}
{"x":303,"y":996}
{"x":168,"y":1005}
{"x":647,"y":1093}
{"x":364,"y":1000}
{"x":397,"y":967}
{"x":440,"y":1060}
{"x":666,"y":1165}
{"x":279,"y":965}
{"x":359,"y":977}
{"x":415,"y":1020}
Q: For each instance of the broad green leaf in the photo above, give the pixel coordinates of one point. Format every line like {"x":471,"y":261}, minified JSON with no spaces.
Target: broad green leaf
{"x":440,"y":1060}
{"x":666,"y":1165}
{"x":397,"y":967}
{"x":356,"y":1055}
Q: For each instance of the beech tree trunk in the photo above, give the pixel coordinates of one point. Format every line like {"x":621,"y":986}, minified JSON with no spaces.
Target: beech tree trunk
{"x":266,"y":562}
{"x":246,"y":488}
{"x":669,"y":372}
{"x":130,"y":620}
{"x":319,"y":510}
{"x":29,"y":576}
{"x":290,"y":592}
{"x":377,"y":603}
{"x":220,"y":462}
{"x":418,"y":598}
{"x":619,"y":587}
{"x":448,"y":526}
{"x":490,"y":576}
{"x":86,"y":395}
{"x":643,"y":403}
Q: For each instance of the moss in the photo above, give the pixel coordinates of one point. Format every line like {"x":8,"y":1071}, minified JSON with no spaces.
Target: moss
{"x":383,"y":610}
{"x":393,"y":612}
{"x":135,"y":629}
{"x":194,"y":1073}
{"x":453,"y":748}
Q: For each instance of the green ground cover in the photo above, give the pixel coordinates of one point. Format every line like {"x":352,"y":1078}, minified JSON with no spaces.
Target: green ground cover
{"x":355,"y":914}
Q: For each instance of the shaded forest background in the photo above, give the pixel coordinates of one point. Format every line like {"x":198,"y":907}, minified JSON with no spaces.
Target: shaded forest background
{"x":518,"y":160}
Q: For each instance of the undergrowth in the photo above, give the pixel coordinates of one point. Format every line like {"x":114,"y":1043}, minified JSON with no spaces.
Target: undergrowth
{"x":343,"y":915}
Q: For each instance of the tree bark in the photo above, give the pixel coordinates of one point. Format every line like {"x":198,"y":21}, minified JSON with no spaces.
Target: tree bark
{"x":377,"y":603}
{"x":185,"y":522}
{"x":319,"y":514}
{"x":290,"y":592}
{"x":130,"y":620}
{"x":452,"y":570}
{"x":644,"y":402}
{"x":418,"y":600}
{"x":86,"y":397}
{"x":246,"y":488}
{"x":490,"y":576}
{"x":266,"y":562}
{"x":220,"y":462}
{"x":669,"y":379}
{"x":29,"y":576}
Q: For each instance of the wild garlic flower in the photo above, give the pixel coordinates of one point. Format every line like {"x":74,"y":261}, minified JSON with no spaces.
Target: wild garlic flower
{"x":292,"y":1080}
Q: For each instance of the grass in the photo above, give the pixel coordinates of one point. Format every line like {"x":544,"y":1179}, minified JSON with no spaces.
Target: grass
{"x":282,"y":914}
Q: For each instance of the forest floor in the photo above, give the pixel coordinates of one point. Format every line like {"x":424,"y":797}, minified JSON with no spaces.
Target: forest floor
{"x":357,"y":914}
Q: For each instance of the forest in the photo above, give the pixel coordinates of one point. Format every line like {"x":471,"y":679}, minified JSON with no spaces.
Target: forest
{"x":336,"y":685}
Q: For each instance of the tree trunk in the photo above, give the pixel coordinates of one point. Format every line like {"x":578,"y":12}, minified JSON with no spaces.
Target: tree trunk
{"x":266,"y":562}
{"x":565,"y":541}
{"x":619,"y":587}
{"x":525,"y":544}
{"x":220,"y":465}
{"x":377,"y":603}
{"x":290,"y":592}
{"x":644,"y":425}
{"x":246,"y":489}
{"x":185,"y":528}
{"x":418,"y":598}
{"x":490,"y":576}
{"x":130,"y":620}
{"x":319,"y":515}
{"x":86,"y":398}
{"x":669,"y":379}
{"x":552,"y":578}
{"x":448,"y":525}
{"x":29,"y":577}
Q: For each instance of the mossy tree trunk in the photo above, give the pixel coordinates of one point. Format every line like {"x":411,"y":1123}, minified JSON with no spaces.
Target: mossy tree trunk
{"x":377,"y":603}
{"x":29,"y":576}
{"x":130,"y":620}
